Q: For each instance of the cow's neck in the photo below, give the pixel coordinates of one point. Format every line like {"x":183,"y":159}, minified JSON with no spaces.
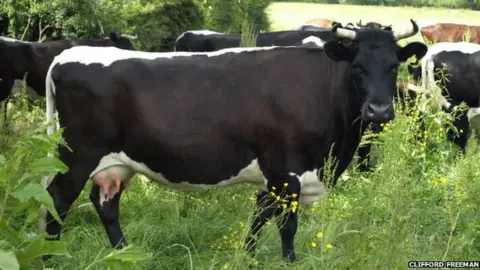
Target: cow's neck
{"x":349,"y":129}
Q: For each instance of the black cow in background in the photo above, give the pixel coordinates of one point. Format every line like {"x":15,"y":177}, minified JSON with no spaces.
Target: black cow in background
{"x":19,"y":57}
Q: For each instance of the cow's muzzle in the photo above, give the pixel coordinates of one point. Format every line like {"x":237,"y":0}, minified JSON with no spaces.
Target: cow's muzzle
{"x":378,"y":112}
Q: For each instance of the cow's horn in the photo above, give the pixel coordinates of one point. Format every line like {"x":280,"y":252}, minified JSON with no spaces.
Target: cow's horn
{"x":344,"y":33}
{"x":406,"y":33}
{"x":359,"y":23}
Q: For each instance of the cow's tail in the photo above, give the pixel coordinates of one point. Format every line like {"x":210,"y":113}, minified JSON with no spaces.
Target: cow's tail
{"x":50,"y":98}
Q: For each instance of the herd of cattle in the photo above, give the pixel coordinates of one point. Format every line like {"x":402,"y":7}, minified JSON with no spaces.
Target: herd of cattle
{"x":212,"y":114}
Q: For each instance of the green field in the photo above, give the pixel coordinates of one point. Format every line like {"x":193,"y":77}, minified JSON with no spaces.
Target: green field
{"x":289,"y":15}
{"x":422,"y":202}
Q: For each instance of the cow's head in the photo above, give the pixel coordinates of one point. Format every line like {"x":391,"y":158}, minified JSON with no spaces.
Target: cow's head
{"x":374,"y":56}
{"x":374,"y":25}
{"x":122,"y":41}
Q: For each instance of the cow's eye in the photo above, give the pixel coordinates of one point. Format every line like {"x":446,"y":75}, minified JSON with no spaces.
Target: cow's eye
{"x":394,"y":69}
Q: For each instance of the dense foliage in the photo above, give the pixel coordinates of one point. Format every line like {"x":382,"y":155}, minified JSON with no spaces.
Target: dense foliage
{"x":467,"y":4}
{"x":156,"y":24}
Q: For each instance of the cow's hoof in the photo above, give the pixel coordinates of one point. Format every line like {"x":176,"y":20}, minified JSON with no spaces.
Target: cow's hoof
{"x":290,"y":257}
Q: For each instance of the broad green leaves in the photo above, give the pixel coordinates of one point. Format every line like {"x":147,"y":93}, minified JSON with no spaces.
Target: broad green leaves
{"x":8,"y":261}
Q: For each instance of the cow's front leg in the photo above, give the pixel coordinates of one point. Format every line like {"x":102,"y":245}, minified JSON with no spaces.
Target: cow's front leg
{"x":287,"y":216}
{"x":282,"y":201}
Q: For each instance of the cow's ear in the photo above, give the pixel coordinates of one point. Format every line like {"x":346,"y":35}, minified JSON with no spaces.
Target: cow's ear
{"x":415,"y":48}
{"x":338,"y":51}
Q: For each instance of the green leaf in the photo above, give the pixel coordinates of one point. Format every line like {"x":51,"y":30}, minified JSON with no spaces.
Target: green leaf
{"x":8,"y":261}
{"x":48,"y":165}
{"x":38,"y":248}
{"x":38,"y":193}
{"x":127,"y":254}
{"x":9,"y":234}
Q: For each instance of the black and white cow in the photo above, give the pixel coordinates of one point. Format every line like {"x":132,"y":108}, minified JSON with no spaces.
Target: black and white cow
{"x":460,"y":62}
{"x":18,"y":58}
{"x":209,"y":41}
{"x":267,"y":116}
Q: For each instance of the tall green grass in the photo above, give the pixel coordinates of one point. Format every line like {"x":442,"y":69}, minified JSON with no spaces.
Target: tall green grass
{"x":248,"y":37}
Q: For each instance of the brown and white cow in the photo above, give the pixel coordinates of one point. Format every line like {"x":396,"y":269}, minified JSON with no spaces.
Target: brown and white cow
{"x":449,"y":32}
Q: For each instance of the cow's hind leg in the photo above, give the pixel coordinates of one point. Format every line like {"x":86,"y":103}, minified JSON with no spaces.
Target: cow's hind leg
{"x":109,"y":213}
{"x":66,"y":188}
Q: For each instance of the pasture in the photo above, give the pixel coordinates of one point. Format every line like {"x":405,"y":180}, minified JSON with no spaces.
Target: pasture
{"x":422,"y":201}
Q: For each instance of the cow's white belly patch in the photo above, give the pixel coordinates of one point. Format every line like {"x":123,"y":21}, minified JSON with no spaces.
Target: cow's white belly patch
{"x":473,"y":115}
{"x":120,"y":164}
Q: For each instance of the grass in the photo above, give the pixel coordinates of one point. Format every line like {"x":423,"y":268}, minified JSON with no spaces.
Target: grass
{"x":421,"y":203}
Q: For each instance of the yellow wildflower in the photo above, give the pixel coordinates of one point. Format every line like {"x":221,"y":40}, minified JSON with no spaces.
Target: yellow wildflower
{"x":285,"y":184}
{"x":294,"y":195}
{"x":329,"y":246}
{"x":320,"y":234}
{"x":278,"y":198}
{"x":314,"y":244}
{"x":294,"y":206}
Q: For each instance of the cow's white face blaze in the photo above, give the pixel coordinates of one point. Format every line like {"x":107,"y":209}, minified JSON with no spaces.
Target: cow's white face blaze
{"x":374,"y":56}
